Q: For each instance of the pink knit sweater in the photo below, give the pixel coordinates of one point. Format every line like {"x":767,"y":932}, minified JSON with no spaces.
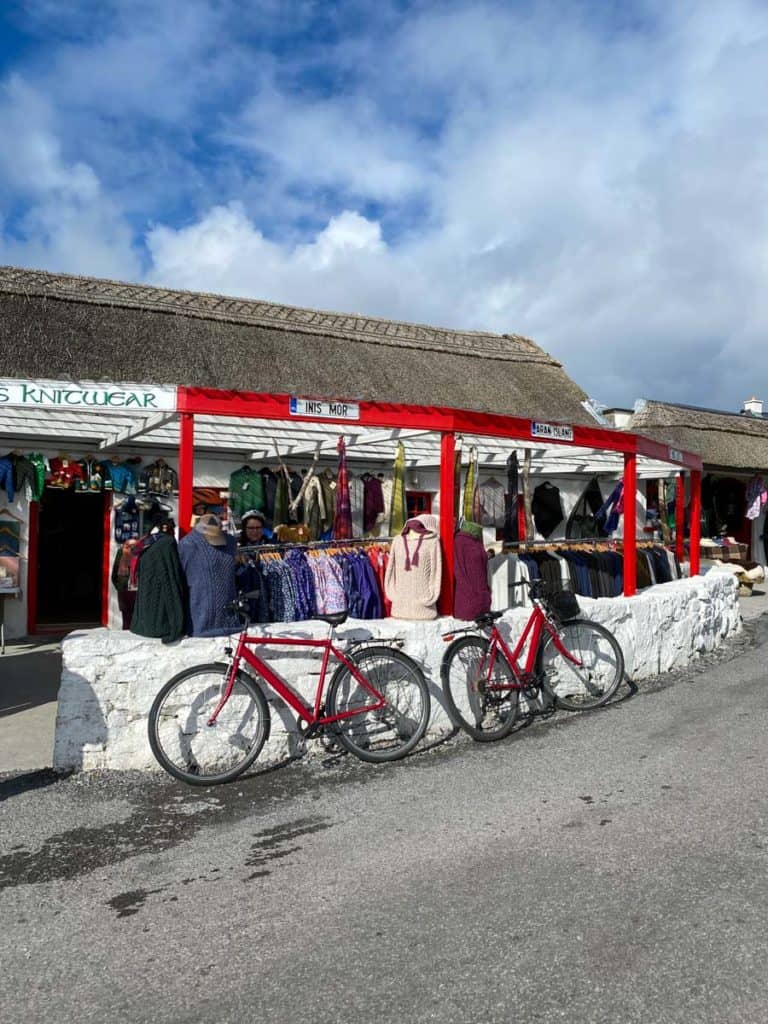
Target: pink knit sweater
{"x":414,"y":571}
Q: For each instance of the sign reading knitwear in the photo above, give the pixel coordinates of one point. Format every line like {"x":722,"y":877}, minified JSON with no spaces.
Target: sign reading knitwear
{"x":97,"y":397}
{"x":553,"y":431}
{"x":324,"y":410}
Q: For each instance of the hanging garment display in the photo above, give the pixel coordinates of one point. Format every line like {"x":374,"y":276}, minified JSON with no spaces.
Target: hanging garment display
{"x":127,"y":520}
{"x":64,"y":472}
{"x":547,"y":508}
{"x":207,"y":558}
{"x":490,"y":496}
{"x":581,"y":522}
{"x":121,"y":580}
{"x":158,"y":478}
{"x":414,"y":572}
{"x":356,"y":503}
{"x":24,"y":476}
{"x":470,"y":483}
{"x":342,"y":520}
{"x":6,"y":476}
{"x":373,"y":502}
{"x":160,"y":609}
{"x":511,"y":532}
{"x":756,"y":496}
{"x":398,"y":506}
{"x":472,"y":593}
{"x":607,"y":516}
{"x":246,"y":491}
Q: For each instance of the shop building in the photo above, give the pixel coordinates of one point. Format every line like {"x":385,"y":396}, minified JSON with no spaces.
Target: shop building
{"x":734,"y":451}
{"x":216,"y":383}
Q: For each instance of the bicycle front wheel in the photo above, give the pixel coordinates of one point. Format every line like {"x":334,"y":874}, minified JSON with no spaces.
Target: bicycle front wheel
{"x":181,"y":738}
{"x":391,"y":731}
{"x":480,"y":699}
{"x":593,"y":672}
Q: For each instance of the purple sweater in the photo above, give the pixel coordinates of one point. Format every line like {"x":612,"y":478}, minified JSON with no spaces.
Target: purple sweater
{"x":472,"y":594}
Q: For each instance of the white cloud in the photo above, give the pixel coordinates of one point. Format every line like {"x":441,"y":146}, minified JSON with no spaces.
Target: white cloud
{"x":599,"y":186}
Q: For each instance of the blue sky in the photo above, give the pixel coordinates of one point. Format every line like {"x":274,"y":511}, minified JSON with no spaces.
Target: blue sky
{"x":592,"y":175}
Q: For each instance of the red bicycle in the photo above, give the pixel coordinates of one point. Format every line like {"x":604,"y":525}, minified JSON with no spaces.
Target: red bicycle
{"x":209,"y":723}
{"x":574,"y":663}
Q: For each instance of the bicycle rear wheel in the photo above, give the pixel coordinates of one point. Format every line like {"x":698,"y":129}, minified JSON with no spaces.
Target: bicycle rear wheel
{"x":392,"y":731}
{"x":481,"y":701}
{"x":190,"y":749}
{"x":594,"y":677}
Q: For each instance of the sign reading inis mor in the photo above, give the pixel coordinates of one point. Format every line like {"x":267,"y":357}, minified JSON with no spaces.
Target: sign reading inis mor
{"x":324,"y":410}
{"x":552,"y":431}
{"x":94,"y":397}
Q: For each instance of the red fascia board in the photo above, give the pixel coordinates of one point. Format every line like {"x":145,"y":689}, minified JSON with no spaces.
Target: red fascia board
{"x":656,"y":450}
{"x":257,"y":405}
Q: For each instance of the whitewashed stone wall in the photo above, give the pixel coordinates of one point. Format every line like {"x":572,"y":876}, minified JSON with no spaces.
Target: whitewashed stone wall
{"x":109,"y":678}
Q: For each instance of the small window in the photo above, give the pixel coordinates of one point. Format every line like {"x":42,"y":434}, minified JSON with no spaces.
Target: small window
{"x":418,"y":503}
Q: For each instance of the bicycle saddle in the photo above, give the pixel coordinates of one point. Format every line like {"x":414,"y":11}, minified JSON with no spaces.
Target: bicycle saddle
{"x":487,"y":618}
{"x":334,"y":619}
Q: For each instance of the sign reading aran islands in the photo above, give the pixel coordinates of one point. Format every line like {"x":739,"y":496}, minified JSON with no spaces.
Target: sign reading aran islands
{"x":553,"y":431}
{"x":323,"y":409}
{"x":97,"y":397}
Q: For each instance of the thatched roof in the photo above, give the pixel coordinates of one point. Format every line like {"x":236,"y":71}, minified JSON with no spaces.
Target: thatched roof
{"x":62,"y":327}
{"x":724,"y":440}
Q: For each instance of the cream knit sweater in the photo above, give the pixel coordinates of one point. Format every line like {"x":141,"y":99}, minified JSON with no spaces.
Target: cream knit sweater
{"x":412,"y":588}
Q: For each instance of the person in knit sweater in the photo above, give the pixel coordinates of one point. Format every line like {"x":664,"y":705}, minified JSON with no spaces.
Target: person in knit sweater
{"x":472,"y":594}
{"x":414,"y":571}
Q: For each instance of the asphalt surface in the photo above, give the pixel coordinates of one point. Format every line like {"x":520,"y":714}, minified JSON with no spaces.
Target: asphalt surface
{"x":606,"y":867}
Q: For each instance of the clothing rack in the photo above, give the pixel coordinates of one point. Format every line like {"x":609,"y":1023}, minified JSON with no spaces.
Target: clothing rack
{"x":595,"y":543}
{"x":313,"y":545}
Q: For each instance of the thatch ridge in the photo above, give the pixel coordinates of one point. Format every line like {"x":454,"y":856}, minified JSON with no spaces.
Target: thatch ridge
{"x":724,"y":440}
{"x":229,"y":309}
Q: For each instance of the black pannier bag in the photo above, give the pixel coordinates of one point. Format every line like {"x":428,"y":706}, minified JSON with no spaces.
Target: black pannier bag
{"x":564,"y":605}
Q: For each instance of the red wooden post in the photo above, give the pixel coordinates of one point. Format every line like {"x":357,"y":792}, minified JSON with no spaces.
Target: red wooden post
{"x":447,"y":523}
{"x":695,"y":531}
{"x":186,"y":470}
{"x":680,"y":517}
{"x":630,"y":524}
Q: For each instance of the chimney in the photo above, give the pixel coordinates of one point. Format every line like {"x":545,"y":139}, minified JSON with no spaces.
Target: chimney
{"x":752,"y":407}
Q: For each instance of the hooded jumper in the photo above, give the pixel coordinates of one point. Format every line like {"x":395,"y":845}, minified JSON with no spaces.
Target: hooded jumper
{"x":472,"y":594}
{"x":414,"y":571}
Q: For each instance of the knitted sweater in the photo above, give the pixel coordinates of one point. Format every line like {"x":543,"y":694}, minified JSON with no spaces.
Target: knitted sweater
{"x":473,"y":594}
{"x":210,"y":575}
{"x":414,"y":571}
{"x":160,"y":601}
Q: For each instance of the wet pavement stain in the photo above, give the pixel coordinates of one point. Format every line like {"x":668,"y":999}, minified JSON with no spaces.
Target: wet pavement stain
{"x":128,"y":903}
{"x":270,"y":843}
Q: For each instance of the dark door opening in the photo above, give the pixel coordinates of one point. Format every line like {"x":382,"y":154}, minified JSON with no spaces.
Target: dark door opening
{"x":69,"y":558}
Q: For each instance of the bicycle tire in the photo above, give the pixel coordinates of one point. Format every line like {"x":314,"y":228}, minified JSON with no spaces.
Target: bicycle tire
{"x":393,"y":731}
{"x":198,"y":754}
{"x":576,"y":688}
{"x":486,"y":715}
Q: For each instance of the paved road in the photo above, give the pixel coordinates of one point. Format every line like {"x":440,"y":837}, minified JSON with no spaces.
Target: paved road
{"x":604,"y":868}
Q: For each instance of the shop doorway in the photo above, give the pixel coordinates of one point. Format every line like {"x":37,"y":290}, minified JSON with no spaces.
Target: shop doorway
{"x":70,"y":558}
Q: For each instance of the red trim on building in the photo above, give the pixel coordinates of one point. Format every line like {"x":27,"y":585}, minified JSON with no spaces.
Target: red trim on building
{"x":630,"y":524}
{"x":186,"y":470}
{"x":447,"y":483}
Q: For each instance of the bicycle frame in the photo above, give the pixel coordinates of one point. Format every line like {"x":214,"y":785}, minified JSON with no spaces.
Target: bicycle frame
{"x":537,"y":623}
{"x":311,"y":715}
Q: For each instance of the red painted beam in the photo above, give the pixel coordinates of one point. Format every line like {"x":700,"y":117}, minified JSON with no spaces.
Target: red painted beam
{"x":695,"y":531}
{"x":186,"y":470}
{"x":447,"y":481}
{"x":630,"y":525}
